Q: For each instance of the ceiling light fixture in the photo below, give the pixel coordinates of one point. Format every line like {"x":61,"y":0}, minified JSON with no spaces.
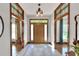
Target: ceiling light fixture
{"x":39,"y":12}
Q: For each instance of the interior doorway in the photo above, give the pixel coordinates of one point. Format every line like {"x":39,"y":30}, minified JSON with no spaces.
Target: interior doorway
{"x":62,"y":27}
{"x":14,"y":35}
{"x":63,"y":30}
{"x":39,"y":31}
{"x":16,"y":28}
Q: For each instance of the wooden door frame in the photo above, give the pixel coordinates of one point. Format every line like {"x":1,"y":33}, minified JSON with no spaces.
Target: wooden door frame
{"x":11,"y":23}
{"x":55,"y":24}
{"x":33,"y":23}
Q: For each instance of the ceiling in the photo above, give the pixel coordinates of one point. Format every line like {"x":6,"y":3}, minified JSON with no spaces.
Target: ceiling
{"x":31,"y":8}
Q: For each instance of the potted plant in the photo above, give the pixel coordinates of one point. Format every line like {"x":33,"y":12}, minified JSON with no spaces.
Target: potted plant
{"x":76,"y":47}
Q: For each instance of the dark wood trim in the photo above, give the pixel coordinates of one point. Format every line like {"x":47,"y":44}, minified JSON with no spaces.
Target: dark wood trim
{"x":22,"y":15}
{"x":55,"y":20}
{"x":19,"y":6}
{"x":17,"y":17}
{"x":55,"y":37}
{"x":21,"y":9}
{"x":61,"y":9}
{"x":61,"y":16}
{"x":68,"y":25}
{"x":39,"y":43}
{"x":29,"y":30}
{"x":17,"y":10}
{"x":59,"y":6}
{"x":61,"y":43}
{"x":47,"y":29}
{"x":10,"y":32}
{"x":39,"y":23}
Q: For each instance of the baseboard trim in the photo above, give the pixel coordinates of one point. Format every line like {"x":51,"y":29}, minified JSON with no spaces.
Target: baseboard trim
{"x":39,"y":43}
{"x":61,"y":43}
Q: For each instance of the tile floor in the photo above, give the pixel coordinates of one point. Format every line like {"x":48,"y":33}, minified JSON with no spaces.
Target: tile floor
{"x":62,"y":48}
{"x":14,"y":52}
{"x":39,"y":50}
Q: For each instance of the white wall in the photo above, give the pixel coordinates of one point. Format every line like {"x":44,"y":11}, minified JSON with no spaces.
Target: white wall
{"x":52,"y":29}
{"x":74,"y":10}
{"x":5,"y":39}
{"x":25,"y":29}
{"x":58,"y":31}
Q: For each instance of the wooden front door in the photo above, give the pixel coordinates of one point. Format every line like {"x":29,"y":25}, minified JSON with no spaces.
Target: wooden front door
{"x":38,"y":33}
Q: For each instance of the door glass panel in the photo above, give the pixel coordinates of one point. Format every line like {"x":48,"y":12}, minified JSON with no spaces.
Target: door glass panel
{"x":45,"y":32}
{"x":14,"y":37}
{"x":65,"y":29}
{"x":32,"y":32}
{"x":13,"y":31}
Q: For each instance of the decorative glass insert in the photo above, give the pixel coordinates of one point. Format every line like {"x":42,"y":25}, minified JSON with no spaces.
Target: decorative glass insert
{"x":16,"y":10}
{"x":61,"y":10}
{"x":38,"y":21}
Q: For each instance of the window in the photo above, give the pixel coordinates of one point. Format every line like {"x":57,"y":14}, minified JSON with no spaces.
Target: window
{"x":17,"y":11}
{"x":61,"y":11}
{"x":32,"y":32}
{"x":45,"y":32}
{"x":62,"y":29}
{"x":13,"y":31}
{"x":65,"y":29}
